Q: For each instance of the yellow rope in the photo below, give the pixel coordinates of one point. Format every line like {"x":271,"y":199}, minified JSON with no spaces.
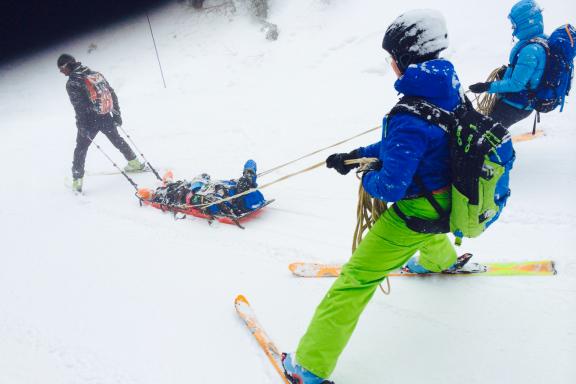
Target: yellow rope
{"x":362,"y":162}
{"x":485,"y":102}
{"x":259,"y":187}
{"x":368,"y":210}
{"x":318,"y":151}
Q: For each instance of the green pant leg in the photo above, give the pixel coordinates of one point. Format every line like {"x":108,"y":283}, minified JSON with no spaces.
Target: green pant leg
{"x":437,"y":254}
{"x":386,"y":247}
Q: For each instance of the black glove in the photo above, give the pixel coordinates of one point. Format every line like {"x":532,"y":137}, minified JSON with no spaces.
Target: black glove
{"x":480,"y":87}
{"x":337,"y":160}
{"x":117,"y":119}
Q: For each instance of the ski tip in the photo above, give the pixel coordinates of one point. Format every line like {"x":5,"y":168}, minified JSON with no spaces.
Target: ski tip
{"x":144,"y":193}
{"x":293,"y":266}
{"x":527,"y":136}
{"x":168,"y":177}
{"x":240,"y":299}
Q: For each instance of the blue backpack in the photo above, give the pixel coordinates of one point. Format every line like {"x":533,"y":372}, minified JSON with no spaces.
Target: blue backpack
{"x":557,"y":77}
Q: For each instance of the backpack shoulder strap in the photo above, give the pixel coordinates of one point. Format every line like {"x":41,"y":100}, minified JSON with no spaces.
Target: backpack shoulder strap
{"x":432,"y":114}
{"x":425,"y":110}
{"x":536,"y":40}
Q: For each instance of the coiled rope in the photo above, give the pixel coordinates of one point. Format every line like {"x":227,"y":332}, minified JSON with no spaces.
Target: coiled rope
{"x":485,"y":102}
{"x":368,"y":210}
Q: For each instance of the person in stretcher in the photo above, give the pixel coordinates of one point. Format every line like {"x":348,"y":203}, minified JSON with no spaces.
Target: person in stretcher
{"x":202,"y":191}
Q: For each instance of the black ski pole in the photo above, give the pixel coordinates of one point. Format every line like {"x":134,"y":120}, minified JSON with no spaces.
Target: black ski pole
{"x":156,"y":49}
{"x":140,"y":152}
{"x":114,"y":163}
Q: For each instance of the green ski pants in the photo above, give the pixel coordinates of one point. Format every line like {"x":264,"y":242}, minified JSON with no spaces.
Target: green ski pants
{"x":387,"y":246}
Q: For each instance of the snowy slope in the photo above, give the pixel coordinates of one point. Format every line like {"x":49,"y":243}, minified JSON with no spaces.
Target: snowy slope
{"x":99,"y":290}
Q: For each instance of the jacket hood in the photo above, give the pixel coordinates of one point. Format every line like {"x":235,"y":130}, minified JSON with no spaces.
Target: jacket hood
{"x":526,"y":18}
{"x":434,"y":80}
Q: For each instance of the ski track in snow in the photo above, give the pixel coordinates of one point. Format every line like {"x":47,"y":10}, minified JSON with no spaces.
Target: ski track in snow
{"x":96,"y":289}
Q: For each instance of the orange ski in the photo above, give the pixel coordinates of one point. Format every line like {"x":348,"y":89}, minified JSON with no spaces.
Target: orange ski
{"x":527,"y":136}
{"x":247,"y":314}
{"x":529,"y":268}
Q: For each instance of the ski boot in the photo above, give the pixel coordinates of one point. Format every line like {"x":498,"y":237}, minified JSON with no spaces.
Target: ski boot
{"x":77,"y":185}
{"x":412,"y":266}
{"x":134,"y":166}
{"x":459,"y":265}
{"x":248,"y":179}
{"x":250,"y":167}
{"x":296,"y":374}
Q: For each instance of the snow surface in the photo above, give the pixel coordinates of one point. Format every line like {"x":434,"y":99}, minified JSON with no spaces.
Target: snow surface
{"x":99,"y":290}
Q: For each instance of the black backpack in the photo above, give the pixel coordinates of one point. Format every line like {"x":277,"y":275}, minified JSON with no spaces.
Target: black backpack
{"x":473,"y":138}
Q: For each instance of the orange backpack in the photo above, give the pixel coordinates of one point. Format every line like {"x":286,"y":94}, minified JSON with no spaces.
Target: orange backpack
{"x":99,"y":93}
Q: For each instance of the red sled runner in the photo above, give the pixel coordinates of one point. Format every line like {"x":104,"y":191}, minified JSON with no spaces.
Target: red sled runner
{"x":190,"y":211}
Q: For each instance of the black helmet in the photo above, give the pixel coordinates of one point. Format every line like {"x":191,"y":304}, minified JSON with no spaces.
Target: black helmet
{"x":65,"y":59}
{"x":416,"y":36}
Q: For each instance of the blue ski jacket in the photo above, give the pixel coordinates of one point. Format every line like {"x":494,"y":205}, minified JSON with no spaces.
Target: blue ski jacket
{"x":409,"y":144}
{"x":527,"y":23}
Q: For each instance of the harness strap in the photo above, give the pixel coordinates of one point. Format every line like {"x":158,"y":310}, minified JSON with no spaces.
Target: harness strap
{"x":531,"y":93}
{"x":426,"y":111}
{"x":537,"y":40}
{"x":399,"y":212}
{"x":429,"y":196}
{"x":434,"y":115}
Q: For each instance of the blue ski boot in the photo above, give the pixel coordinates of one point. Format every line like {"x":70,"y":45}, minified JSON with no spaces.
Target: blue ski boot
{"x":412,"y":266}
{"x":250,"y":169}
{"x":251,"y":200}
{"x":296,"y":374}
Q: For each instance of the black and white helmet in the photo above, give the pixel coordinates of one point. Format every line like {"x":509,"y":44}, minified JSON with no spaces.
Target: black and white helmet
{"x":416,"y":36}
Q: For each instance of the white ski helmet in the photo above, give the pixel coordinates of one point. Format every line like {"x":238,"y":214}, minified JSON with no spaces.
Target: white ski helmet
{"x":416,"y":36}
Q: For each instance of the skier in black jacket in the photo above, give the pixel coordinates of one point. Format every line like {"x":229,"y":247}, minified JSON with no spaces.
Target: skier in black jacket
{"x":97,"y":110}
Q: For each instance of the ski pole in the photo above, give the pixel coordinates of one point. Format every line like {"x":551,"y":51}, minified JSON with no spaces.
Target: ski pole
{"x":156,"y":49}
{"x":113,"y":163}
{"x":140,"y":152}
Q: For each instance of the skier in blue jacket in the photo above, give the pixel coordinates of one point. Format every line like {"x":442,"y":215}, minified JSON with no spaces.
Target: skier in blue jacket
{"x":410,"y":146}
{"x":527,"y":59}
